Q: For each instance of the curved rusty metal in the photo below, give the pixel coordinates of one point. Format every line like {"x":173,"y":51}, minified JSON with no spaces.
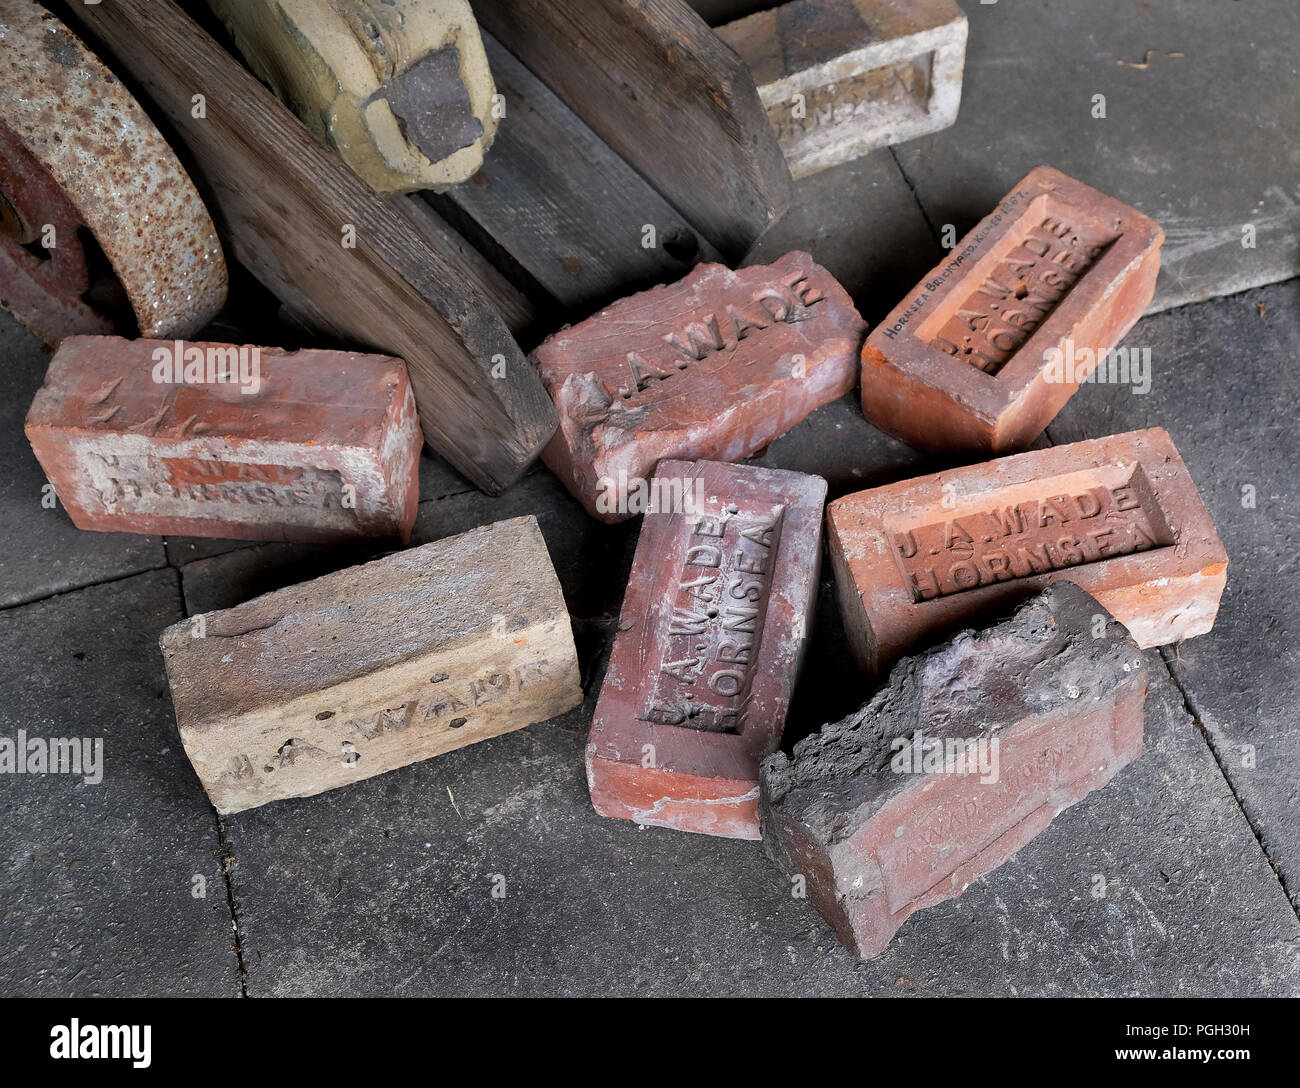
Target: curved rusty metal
{"x":78,"y":155}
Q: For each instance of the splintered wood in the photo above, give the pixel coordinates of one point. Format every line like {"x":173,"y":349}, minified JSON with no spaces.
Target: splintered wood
{"x":584,"y":235}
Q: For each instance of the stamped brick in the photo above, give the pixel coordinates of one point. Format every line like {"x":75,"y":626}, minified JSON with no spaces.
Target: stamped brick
{"x":1120,"y":516}
{"x":987,"y":348}
{"x":713,"y":367}
{"x":965,"y":755}
{"x":839,"y":78}
{"x":373,"y":668}
{"x":239,"y":442}
{"x":709,"y":644}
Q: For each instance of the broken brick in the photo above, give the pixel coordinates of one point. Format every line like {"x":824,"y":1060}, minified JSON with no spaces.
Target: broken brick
{"x":713,"y":367}
{"x":709,"y":643}
{"x":985,"y":351}
{"x":963,"y":757}
{"x":372,"y":668}
{"x":218,"y":440}
{"x":1118,"y":515}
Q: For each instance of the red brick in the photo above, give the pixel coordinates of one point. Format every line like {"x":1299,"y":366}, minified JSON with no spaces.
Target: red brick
{"x":1049,"y":703}
{"x":713,"y":367}
{"x":1120,"y":516}
{"x":709,"y":643}
{"x":964,"y":361}
{"x":327,"y":447}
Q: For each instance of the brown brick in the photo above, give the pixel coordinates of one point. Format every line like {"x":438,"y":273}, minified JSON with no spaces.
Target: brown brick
{"x":372,"y":668}
{"x":713,"y":367}
{"x":961,"y":759}
{"x":988,"y":347}
{"x":709,"y":643}
{"x":1119,"y":515}
{"x":303,"y":446}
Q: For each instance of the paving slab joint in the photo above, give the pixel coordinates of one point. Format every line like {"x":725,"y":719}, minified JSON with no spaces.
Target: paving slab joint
{"x":226,"y":855}
{"x":1167,"y":654}
{"x":934,"y":231}
{"x":87,"y":585}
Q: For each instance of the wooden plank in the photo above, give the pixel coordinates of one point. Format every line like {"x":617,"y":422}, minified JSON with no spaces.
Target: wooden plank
{"x":286,"y":203}
{"x":563,"y":205}
{"x":668,"y":95}
{"x":515,"y":308}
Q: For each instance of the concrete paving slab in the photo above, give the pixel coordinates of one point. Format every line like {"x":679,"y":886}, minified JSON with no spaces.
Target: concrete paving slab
{"x":585,"y":902}
{"x":41,"y":551}
{"x":592,"y":908}
{"x":1191,"y":905}
{"x":1201,"y":129}
{"x":862,"y":223}
{"x":1224,"y":385}
{"x":100,"y":883}
{"x":486,"y":872}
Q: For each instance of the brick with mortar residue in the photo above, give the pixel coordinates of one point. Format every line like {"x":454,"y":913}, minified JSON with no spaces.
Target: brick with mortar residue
{"x":222,"y":440}
{"x":963,"y":757}
{"x":713,"y":367}
{"x":1118,"y":515}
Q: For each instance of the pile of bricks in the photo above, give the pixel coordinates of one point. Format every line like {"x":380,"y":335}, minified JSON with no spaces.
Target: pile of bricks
{"x":996,"y":610}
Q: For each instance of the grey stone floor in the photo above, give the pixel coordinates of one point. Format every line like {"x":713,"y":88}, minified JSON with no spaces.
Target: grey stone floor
{"x":1206,"y":142}
{"x":385,"y":887}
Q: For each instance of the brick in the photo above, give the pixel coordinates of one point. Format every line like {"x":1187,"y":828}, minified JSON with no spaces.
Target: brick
{"x":984,"y":352}
{"x":709,"y":643}
{"x":324,"y":446}
{"x":373,"y":668}
{"x":839,"y":78}
{"x":1120,"y":516}
{"x":713,"y":367}
{"x":886,"y":812}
